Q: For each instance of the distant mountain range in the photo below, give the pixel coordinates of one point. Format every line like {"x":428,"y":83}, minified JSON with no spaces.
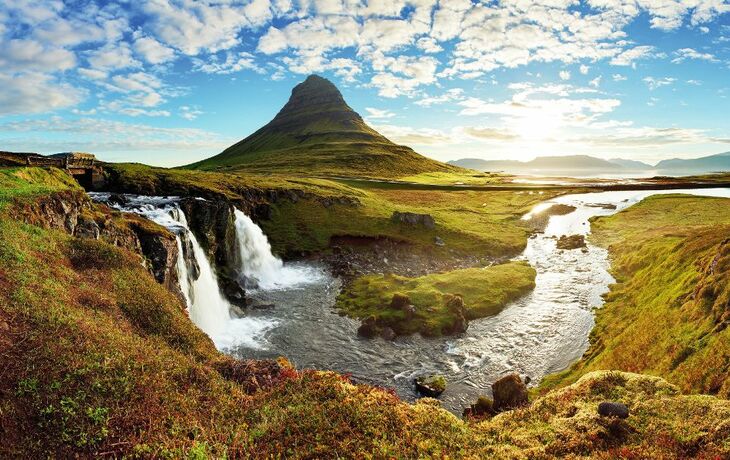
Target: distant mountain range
{"x":316,"y":132}
{"x":590,"y":165}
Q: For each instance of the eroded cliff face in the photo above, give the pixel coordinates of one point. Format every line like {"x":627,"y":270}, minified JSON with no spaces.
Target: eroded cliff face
{"x":73,"y":211}
{"x":213,"y":223}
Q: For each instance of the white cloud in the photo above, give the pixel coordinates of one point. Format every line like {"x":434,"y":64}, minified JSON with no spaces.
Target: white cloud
{"x":564,"y":75}
{"x":654,"y":83}
{"x":234,"y":62}
{"x":450,"y":95}
{"x":596,"y":82}
{"x":618,"y":77}
{"x":153,"y":51}
{"x":35,"y":93}
{"x":112,"y":57}
{"x":31,"y":55}
{"x":689,"y":53}
{"x":374,"y":113}
{"x":190,"y":113}
{"x":630,"y":55}
{"x":584,"y":69}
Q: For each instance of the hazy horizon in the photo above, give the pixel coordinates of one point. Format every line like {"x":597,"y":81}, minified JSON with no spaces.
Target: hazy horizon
{"x":170,"y":82}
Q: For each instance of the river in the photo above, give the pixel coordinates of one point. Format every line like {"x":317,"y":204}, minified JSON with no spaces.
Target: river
{"x":542,"y":333}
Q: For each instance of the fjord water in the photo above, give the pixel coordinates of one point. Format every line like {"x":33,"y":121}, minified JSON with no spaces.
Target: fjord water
{"x":543,"y":332}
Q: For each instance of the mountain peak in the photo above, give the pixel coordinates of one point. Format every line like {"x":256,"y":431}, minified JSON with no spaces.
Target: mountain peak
{"x":317,"y":132}
{"x":315,"y":96}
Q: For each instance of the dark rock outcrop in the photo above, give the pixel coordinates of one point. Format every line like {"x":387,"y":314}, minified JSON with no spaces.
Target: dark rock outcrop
{"x":213,"y":223}
{"x":413,"y":219}
{"x":484,"y":407}
{"x":431,"y":386}
{"x":613,"y":409}
{"x":460,"y":323}
{"x":509,"y":393}
{"x":74,"y":213}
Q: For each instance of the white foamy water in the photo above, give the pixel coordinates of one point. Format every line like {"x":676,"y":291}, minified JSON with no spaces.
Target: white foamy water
{"x":260,"y":267}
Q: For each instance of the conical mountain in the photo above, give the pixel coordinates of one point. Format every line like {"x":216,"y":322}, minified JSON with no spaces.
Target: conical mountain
{"x":316,"y":132}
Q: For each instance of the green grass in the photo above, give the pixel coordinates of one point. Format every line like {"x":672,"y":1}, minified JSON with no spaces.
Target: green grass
{"x":471,"y":223}
{"x":485,"y":291}
{"x":21,"y":183}
{"x":100,"y":360}
{"x":480,"y":223}
{"x":667,"y":314}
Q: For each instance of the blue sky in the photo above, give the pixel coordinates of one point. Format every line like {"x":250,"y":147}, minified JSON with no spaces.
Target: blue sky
{"x":168,"y":82}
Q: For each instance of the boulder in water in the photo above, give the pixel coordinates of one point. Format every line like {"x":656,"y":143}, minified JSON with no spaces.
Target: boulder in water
{"x":431,"y":386}
{"x":571,"y":242}
{"x":387,"y":333}
{"x":613,"y":409}
{"x":509,"y":392}
{"x":368,"y":328}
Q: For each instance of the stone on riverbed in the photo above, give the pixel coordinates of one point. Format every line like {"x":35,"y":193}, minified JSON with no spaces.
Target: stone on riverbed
{"x":571,"y":242}
{"x":431,"y":386}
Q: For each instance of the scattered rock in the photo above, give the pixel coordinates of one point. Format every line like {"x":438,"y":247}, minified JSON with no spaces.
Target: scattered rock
{"x":87,"y":228}
{"x":368,"y":328}
{"x":460,"y":324}
{"x":431,"y":386}
{"x":399,"y":301}
{"x":414,"y":219}
{"x":410,"y":311}
{"x":438,"y":241}
{"x":387,"y":333}
{"x":613,"y":409}
{"x":484,"y":407}
{"x":118,"y":199}
{"x":571,"y":242}
{"x":509,"y":393}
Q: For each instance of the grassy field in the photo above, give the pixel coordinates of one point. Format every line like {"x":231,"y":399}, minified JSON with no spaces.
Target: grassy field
{"x":668,"y":313}
{"x":481,"y":223}
{"x":100,"y":360}
{"x":485,"y":292}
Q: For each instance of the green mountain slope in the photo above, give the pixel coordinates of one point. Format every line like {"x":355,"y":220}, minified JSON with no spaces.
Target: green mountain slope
{"x":317,"y":133}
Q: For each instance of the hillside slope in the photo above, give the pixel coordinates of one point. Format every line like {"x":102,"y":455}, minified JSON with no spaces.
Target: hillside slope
{"x":669,"y":311}
{"x":317,"y":133}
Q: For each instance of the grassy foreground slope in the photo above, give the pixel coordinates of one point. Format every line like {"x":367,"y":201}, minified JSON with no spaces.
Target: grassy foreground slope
{"x":669,"y":311}
{"x":100,"y":360}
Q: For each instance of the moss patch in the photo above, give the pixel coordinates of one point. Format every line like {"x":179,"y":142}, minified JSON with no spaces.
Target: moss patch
{"x":485,"y":291}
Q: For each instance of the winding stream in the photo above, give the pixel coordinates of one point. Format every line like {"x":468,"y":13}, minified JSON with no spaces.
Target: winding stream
{"x":542,"y":333}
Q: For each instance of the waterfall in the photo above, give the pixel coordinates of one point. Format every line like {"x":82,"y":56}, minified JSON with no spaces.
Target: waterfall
{"x":208,"y":309}
{"x":259,"y":267}
{"x":206,"y":306}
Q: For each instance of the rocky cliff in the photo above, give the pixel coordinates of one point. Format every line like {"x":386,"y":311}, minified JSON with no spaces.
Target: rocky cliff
{"x":73,"y":212}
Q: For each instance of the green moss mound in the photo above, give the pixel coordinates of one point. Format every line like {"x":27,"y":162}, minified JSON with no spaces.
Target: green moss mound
{"x":485,"y":291}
